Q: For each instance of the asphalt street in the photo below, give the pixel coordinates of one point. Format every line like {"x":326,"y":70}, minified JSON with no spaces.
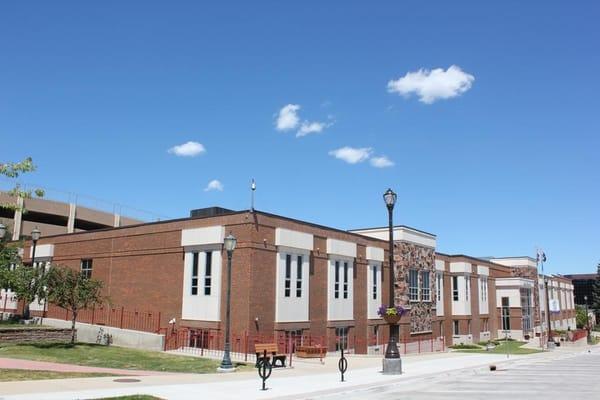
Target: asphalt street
{"x":571,"y":376}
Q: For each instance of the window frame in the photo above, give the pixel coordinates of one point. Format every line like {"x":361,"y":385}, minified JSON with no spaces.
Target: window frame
{"x":87,"y":270}
{"x":287,"y":286}
{"x":413,"y":291}
{"x":425,"y":289}
{"x":195,"y":273}
{"x":455,"y":290}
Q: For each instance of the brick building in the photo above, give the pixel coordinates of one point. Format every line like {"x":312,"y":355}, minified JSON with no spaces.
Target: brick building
{"x":292,"y":277}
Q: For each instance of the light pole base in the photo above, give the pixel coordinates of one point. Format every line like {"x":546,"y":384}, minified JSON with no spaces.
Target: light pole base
{"x":225,"y":370}
{"x":392,"y":366}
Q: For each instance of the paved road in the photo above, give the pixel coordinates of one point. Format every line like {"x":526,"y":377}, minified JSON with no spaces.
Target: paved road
{"x":567,"y":376}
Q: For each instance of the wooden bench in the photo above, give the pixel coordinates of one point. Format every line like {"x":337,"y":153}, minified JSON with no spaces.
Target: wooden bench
{"x":272,"y":352}
{"x":310,"y":351}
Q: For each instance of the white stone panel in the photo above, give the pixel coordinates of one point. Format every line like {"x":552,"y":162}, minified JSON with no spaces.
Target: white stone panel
{"x":200,"y":306}
{"x":293,"y":239}
{"x":340,"y":309}
{"x":483,"y":270}
{"x":42,"y":251}
{"x":202,"y":236}
{"x":375,"y":253}
{"x":341,"y":248}
{"x":461,"y":268}
{"x":373,"y":303}
{"x":440,"y":265}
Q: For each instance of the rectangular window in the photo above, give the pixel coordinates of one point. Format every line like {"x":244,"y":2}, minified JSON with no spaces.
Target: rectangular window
{"x":86,"y":268}
{"x":484,"y":286}
{"x":374,"y":282}
{"x":336,"y":289}
{"x":425,"y":290}
{"x":288,"y":275}
{"x":439,"y":284}
{"x":299,"y":276}
{"x":208,"y":274}
{"x":413,"y":285}
{"x":341,"y":335}
{"x":195,"y":257}
{"x":505,"y":314}
{"x":455,"y":327}
{"x":455,"y":288}
{"x":467,"y":286}
{"x":345,"y":280}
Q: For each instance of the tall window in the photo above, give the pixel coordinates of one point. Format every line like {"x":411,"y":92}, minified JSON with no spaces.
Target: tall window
{"x":425,"y":289}
{"x":455,"y":288}
{"x":288,"y":275}
{"x":86,"y":268}
{"x":455,"y":327}
{"x":345,"y":280}
{"x":374,"y":290}
{"x":484,"y":287}
{"x":413,"y":285}
{"x":299,"y":276}
{"x":438,"y":286}
{"x":505,"y":314}
{"x":341,"y":338}
{"x":195,"y":259}
{"x":336,"y":289}
{"x":208,"y":274}
{"x":467,"y":286}
{"x":527,"y":309}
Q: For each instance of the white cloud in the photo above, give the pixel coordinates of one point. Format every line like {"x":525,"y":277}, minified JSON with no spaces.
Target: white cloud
{"x":352,"y":155}
{"x":381,"y":162}
{"x":214,"y":185}
{"x":311,"y":127}
{"x":189,"y":149}
{"x":288,"y":118}
{"x":433,"y":85}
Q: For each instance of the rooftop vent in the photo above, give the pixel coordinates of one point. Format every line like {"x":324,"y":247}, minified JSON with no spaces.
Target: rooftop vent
{"x":209,"y":212}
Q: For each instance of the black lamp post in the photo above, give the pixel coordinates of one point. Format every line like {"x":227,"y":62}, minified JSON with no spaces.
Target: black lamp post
{"x":587,"y":319}
{"x":391,"y":351}
{"x":226,"y":365}
{"x":35,"y":236}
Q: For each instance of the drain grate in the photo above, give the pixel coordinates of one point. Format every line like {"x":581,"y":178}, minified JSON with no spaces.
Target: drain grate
{"x":126,"y":380}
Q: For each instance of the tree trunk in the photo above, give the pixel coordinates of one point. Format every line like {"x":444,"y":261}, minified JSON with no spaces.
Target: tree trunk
{"x":74,"y":312}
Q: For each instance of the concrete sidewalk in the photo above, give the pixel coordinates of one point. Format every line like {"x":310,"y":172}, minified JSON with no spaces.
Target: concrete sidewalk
{"x":305,"y":378}
{"x":308,"y":378}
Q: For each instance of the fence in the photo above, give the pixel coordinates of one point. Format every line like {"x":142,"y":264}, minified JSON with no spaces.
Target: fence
{"x":210,"y":343}
{"x":117,"y":317}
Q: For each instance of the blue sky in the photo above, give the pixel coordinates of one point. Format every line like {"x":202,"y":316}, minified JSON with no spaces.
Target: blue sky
{"x":496,"y":159}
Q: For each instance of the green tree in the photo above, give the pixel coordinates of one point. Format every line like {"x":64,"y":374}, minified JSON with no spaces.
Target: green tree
{"x":596,"y":291}
{"x":13,"y":170}
{"x":581,"y":318}
{"x":29,"y":284}
{"x":71,"y":291}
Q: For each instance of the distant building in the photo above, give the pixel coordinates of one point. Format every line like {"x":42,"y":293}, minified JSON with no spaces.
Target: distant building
{"x":54,"y":217}
{"x":584,"y":286}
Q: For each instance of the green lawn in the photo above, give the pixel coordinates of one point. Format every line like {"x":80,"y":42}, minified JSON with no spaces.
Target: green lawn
{"x":9,"y":375}
{"x":109,"y":357}
{"x":513,"y":347}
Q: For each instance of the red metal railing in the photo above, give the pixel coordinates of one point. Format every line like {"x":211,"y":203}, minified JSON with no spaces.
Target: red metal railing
{"x":207,"y":342}
{"x":117,"y":317}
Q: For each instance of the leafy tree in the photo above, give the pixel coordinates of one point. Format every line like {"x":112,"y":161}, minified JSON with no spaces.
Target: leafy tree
{"x":72,"y":291}
{"x":596,"y":291}
{"x":28,"y":283}
{"x":13,"y":170}
{"x":581,"y":318}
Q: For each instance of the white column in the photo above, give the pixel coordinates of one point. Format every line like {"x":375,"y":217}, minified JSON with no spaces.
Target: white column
{"x":71,"y":222}
{"x":17,"y":221}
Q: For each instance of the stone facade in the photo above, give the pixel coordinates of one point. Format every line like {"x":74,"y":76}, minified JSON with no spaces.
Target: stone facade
{"x":27,"y":335}
{"x":413,"y":256}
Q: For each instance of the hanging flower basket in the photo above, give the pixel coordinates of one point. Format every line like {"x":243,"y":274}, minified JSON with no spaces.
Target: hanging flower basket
{"x":391,"y":315}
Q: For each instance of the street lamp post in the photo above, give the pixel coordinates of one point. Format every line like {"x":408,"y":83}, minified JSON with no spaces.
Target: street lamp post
{"x":226,"y":365}
{"x":392,"y":364}
{"x":587,"y":320}
{"x":35,"y":236}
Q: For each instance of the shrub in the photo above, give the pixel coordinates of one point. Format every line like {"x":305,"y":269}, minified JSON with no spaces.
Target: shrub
{"x":464,"y":346}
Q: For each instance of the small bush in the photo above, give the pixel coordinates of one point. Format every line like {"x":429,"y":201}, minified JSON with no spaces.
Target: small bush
{"x":464,"y":346}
